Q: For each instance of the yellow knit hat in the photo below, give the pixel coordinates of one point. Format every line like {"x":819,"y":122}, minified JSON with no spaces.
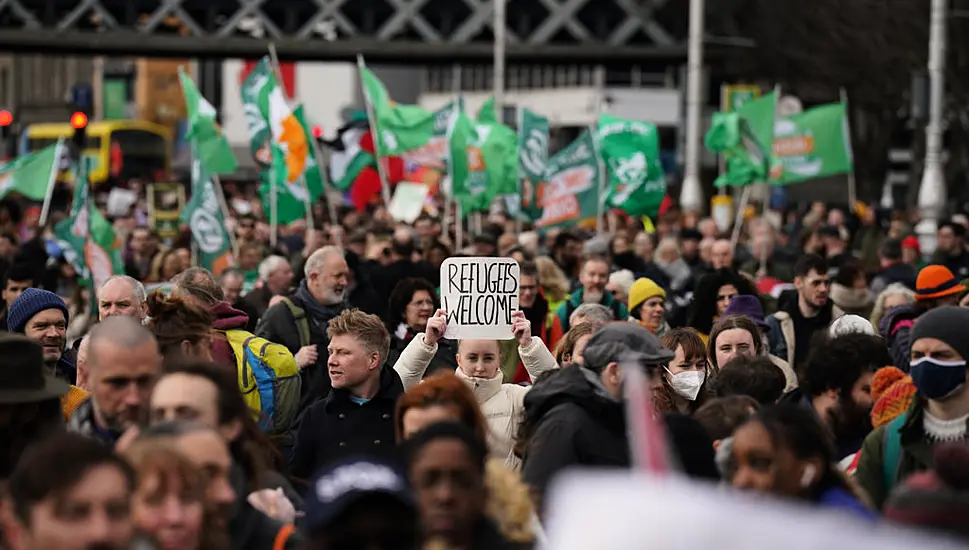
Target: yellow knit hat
{"x":644,"y":289}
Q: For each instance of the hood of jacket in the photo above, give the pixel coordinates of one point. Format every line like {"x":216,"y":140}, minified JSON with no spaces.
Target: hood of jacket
{"x":573,"y":385}
{"x":226,"y":317}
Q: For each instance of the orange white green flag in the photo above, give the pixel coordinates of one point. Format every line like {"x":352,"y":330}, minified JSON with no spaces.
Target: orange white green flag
{"x":294,"y":170}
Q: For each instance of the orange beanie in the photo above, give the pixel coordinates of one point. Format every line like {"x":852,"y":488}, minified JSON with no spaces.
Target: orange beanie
{"x":893,"y":391}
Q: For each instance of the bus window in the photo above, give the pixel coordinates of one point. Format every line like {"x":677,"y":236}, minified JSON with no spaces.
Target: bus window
{"x":143,"y":154}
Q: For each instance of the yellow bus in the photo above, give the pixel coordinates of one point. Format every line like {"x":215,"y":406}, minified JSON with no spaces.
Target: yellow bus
{"x":121,"y":149}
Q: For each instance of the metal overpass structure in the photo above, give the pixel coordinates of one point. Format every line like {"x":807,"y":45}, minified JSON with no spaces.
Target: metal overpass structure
{"x":388,"y":31}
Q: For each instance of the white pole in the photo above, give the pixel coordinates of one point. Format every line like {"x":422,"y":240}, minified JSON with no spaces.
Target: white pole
{"x":45,"y":209}
{"x":739,"y":218}
{"x":449,"y":193}
{"x":691,"y":195}
{"x":458,"y":228}
{"x":499,"y":68}
{"x":217,"y":184}
{"x":932,"y":193}
{"x":384,"y":186}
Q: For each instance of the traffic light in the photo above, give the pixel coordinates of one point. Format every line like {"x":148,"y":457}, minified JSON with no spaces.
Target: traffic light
{"x":79,"y":123}
{"x":317,"y":131}
{"x":6,"y":121}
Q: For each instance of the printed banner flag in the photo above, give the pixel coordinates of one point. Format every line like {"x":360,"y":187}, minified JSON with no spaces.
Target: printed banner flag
{"x":88,"y":240}
{"x":574,"y":181}
{"x":30,"y":175}
{"x":203,"y":129}
{"x":204,"y":218}
{"x":485,"y":158}
{"x":533,"y":132}
{"x":255,"y":86}
{"x":630,"y":152}
{"x":812,"y":144}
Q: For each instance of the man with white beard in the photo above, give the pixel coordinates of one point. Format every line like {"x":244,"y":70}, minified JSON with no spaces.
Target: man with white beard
{"x":300,"y":321}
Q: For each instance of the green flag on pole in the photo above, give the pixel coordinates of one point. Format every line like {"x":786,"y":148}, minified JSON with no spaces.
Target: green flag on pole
{"x":31,"y":175}
{"x":744,"y":138}
{"x":255,"y":86}
{"x":399,"y":128}
{"x":533,"y":132}
{"x":574,"y":181}
{"x":203,"y":129}
{"x":485,"y":158}
{"x":88,"y":240}
{"x":813,"y":144}
{"x":630,"y":153}
{"x":203,"y":216}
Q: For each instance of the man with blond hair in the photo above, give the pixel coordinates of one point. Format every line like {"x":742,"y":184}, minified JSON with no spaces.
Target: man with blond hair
{"x":357,"y":417}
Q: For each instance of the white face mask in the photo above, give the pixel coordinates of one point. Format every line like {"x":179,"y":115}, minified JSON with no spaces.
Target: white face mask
{"x":687,"y":384}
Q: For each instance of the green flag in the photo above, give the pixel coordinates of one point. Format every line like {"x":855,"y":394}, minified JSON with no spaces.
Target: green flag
{"x":630,"y":152}
{"x":744,"y":138}
{"x":256,"y":85}
{"x":532,"y":160}
{"x":213,"y":149}
{"x":434,"y":153}
{"x":294,"y":169}
{"x":485,"y":158}
{"x":812,"y":144}
{"x":31,"y":175}
{"x":88,"y":240}
{"x":487,"y":113}
{"x":204,"y":218}
{"x":399,"y":128}
{"x":574,"y":180}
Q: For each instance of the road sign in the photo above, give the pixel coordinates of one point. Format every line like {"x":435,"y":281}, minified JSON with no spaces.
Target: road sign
{"x":733,"y":96}
{"x":82,"y":95}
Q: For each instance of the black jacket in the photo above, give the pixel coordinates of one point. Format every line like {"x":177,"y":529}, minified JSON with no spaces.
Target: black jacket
{"x":337,"y":428}
{"x":573,"y":423}
{"x":277,"y":325}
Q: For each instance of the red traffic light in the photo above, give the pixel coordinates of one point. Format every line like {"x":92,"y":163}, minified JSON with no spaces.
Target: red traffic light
{"x":317,"y":131}
{"x":6,"y":119}
{"x":78,"y":120}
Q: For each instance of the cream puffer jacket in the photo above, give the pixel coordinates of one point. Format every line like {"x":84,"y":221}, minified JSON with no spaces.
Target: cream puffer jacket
{"x":502,"y":404}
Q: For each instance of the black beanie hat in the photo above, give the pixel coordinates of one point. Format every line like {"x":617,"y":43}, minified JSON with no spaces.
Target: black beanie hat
{"x":947,"y":324}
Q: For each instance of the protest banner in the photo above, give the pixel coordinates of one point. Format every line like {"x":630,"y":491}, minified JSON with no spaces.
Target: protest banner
{"x":408,"y":201}
{"x":479,"y":296}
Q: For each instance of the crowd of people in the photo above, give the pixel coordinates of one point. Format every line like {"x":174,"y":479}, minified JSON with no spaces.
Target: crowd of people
{"x":307,"y":398}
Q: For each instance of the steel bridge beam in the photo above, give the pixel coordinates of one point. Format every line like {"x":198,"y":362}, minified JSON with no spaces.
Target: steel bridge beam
{"x":126,"y":43}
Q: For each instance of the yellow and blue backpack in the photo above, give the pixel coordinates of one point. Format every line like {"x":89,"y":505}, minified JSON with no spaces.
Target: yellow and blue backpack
{"x":268,"y":378}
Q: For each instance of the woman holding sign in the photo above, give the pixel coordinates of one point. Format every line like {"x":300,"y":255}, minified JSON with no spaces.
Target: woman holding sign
{"x":478,"y":366}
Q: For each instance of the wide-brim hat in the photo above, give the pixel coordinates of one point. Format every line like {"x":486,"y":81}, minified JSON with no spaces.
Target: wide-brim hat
{"x":22,"y":376}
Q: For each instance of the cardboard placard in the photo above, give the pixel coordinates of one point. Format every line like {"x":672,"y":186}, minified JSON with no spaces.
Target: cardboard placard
{"x":479,"y":296}
{"x":408,"y":201}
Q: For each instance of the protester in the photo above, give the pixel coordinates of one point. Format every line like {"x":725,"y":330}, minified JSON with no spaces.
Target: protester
{"x":752,"y":308}
{"x":784,"y":451}
{"x":478,"y":366}
{"x":685,"y":387}
{"x":938,"y":414}
{"x":356,"y":417}
{"x":124,"y":361}
{"x":412,"y":303}
{"x":16,"y":279}
{"x":575,"y":417}
{"x":122,"y":295}
{"x":593,"y":278}
{"x":180,"y":327}
{"x":275,"y":278}
{"x":71,"y":493}
{"x":569,"y":349}
{"x":647,"y":306}
{"x":361,"y":504}
{"x":750,"y":376}
{"x":300,"y":322}
{"x":42,"y":316}
{"x":936,"y":499}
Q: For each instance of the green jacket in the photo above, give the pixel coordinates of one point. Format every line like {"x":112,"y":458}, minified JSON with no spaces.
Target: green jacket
{"x":916,"y":455}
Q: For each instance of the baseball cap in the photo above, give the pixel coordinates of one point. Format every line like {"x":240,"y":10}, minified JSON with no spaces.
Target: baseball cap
{"x":624,"y":342}
{"x":343,"y":484}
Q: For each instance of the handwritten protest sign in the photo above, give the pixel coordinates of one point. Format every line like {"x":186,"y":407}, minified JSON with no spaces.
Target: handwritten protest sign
{"x":479,"y":296}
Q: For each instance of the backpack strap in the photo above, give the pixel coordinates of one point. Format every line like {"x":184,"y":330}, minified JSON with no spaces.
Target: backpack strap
{"x":302,"y":323}
{"x":282,"y":536}
{"x":892,"y":451}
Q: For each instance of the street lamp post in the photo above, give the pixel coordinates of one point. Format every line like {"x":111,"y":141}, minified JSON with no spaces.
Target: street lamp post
{"x":932,"y":192}
{"x":691,"y":194}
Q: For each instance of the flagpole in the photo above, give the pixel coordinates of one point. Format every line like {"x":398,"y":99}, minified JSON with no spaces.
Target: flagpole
{"x":852,"y":189}
{"x":769,"y":154}
{"x":384,"y":185}
{"x":325,"y":180}
{"x":739,"y":217}
{"x":519,"y":118}
{"x":601,"y":198}
{"x":273,"y":209}
{"x":449,"y":194}
{"x":277,"y":71}
{"x":45,"y":209}
{"x":224,"y":206}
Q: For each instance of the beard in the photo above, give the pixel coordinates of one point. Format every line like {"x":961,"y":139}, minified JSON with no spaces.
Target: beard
{"x":592,"y":296}
{"x":848,"y":421}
